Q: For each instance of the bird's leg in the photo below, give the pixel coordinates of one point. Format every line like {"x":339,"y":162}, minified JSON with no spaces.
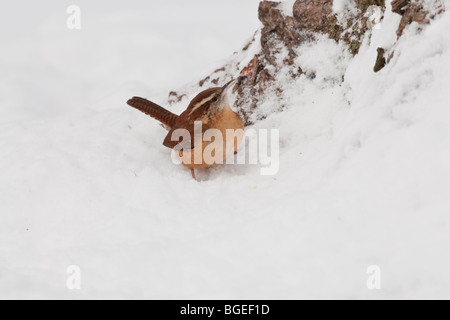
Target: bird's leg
{"x":193,"y":174}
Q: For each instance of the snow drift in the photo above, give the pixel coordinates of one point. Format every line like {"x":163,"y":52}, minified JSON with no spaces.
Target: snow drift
{"x":364,"y":180}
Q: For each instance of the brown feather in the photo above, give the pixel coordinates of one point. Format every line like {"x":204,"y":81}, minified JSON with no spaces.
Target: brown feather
{"x":202,"y":95}
{"x":153,"y":110}
{"x":187,"y":119}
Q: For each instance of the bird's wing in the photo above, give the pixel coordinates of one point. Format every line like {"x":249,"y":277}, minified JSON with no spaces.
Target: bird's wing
{"x":185,"y":135}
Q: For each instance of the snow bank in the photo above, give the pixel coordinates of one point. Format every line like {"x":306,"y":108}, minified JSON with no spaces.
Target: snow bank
{"x":364,"y":180}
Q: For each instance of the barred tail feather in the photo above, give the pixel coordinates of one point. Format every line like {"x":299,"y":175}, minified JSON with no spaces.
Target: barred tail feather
{"x":153,"y":110}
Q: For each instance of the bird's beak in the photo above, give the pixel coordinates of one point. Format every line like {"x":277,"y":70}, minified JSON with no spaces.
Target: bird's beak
{"x":227,"y":87}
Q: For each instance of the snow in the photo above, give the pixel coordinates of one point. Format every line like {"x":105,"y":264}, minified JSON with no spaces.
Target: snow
{"x":342,"y":6}
{"x":345,"y":9}
{"x":287,"y":7}
{"x":85,"y":181}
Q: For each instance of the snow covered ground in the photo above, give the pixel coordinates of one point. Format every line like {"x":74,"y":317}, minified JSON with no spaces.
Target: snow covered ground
{"x":364,"y":166}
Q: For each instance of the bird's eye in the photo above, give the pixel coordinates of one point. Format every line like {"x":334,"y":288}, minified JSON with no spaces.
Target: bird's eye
{"x":214,"y":99}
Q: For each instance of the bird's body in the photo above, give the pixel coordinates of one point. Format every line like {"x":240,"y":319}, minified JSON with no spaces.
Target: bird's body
{"x":210,"y":129}
{"x":227,"y":119}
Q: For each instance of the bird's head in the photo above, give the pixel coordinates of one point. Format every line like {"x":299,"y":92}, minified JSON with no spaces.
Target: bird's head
{"x":211,"y":101}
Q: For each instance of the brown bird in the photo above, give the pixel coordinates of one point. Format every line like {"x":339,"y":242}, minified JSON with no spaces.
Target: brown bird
{"x":208,"y":110}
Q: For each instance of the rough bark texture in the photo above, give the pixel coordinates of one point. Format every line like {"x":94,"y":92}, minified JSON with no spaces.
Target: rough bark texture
{"x":277,"y":28}
{"x":381,"y":60}
{"x":399,"y":5}
{"x":309,"y":18}
{"x":281,"y":33}
{"x":414,"y":11}
{"x":314,"y":15}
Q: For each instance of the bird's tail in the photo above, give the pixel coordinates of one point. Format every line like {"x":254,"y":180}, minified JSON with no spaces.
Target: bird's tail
{"x":153,"y":110}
